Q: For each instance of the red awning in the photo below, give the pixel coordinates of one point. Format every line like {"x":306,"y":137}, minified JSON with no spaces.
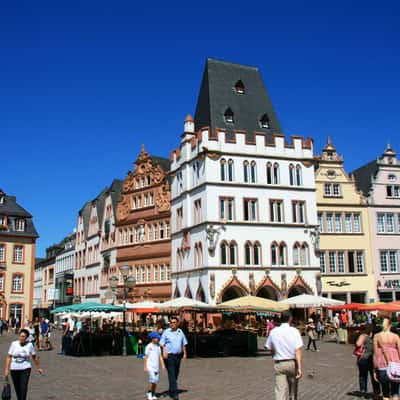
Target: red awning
{"x":145,"y":310}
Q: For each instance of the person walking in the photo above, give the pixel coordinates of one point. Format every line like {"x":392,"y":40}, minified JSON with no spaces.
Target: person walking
{"x":173,"y":343}
{"x":152,"y":362}
{"x":18,"y":363}
{"x":312,"y":334}
{"x":286,"y":346}
{"x":386,"y":349}
{"x":364,"y":353}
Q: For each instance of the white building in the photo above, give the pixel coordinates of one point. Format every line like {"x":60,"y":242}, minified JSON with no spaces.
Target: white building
{"x":65,"y":262}
{"x":243,"y":198}
{"x":95,"y":251}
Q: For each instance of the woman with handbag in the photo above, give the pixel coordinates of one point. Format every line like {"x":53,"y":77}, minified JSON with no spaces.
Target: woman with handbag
{"x":18,"y":363}
{"x":387,"y":360}
{"x":364,"y":351}
{"x":312,"y":334}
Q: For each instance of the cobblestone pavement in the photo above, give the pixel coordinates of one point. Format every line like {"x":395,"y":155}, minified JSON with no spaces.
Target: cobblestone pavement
{"x":328,"y":375}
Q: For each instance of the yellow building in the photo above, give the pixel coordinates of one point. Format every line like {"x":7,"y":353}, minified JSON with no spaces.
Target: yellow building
{"x":345,"y":254}
{"x":17,"y":259}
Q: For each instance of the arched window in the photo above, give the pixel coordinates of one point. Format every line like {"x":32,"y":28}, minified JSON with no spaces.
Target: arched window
{"x":304,"y":254}
{"x":247,"y":253}
{"x":223,"y":169}
{"x":230,"y":170}
{"x":232,"y":253}
{"x":282,"y":254}
{"x":239,"y":87}
{"x":224,"y":253}
{"x":276,"y":173}
{"x":246,"y":174}
{"x":296,"y":254}
{"x":253,"y":172}
{"x":291,"y":174}
{"x":228,"y":116}
{"x":299,"y":177}
{"x":269,"y":173}
{"x":264,"y":122}
{"x":274,"y":254}
{"x":257,"y":254}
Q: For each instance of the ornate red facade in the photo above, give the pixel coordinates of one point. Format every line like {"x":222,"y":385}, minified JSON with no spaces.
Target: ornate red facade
{"x":143,"y":228}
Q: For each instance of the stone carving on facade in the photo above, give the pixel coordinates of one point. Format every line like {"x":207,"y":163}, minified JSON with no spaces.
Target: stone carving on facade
{"x":212,"y":236}
{"x":252,"y":284}
{"x":212,"y":285}
{"x":162,"y":200}
{"x":185,"y":244}
{"x":122,"y":209}
{"x":283,"y":285}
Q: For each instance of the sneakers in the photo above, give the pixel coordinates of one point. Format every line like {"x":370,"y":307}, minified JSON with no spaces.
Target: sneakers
{"x":154,"y":397}
{"x":149,"y":396}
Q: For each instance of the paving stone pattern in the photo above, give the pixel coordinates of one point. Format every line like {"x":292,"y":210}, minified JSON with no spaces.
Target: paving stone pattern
{"x":329,"y":375}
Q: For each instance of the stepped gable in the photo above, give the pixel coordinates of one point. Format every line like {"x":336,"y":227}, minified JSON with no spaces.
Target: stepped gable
{"x":236,"y":93}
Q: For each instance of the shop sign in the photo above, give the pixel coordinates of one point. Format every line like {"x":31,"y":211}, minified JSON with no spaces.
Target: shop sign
{"x":390,"y":284}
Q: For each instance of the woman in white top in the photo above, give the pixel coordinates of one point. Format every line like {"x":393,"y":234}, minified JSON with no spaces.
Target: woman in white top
{"x":18,"y":363}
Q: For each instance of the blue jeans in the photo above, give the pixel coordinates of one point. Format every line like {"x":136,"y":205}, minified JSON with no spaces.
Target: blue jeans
{"x":365,"y":367}
{"x":389,"y":388}
{"x":173,"y":365}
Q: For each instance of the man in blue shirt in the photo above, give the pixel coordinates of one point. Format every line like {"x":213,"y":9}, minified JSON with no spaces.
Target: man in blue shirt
{"x":173,"y":343}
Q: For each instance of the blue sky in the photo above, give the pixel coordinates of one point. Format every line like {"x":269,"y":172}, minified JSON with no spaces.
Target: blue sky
{"x":84,"y":83}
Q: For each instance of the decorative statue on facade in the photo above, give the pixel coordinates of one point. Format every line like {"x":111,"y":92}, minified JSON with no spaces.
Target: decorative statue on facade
{"x":141,"y":233}
{"x":283,"y":285}
{"x":252,"y":284}
{"x":212,"y":236}
{"x":314,"y":236}
{"x":318,"y":283}
{"x":212,"y":285}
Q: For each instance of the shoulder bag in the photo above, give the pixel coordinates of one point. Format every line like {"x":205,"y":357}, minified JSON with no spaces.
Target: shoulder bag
{"x":393,"y":367}
{"x":6,"y":392}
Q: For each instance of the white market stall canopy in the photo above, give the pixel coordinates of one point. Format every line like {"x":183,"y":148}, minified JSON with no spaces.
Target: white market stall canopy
{"x":142,"y":304}
{"x":308,"y":300}
{"x":181,"y":302}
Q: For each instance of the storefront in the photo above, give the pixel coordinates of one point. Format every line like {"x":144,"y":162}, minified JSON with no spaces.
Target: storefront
{"x":388,"y":289}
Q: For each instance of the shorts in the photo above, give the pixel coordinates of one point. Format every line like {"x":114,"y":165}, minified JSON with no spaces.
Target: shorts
{"x":154,"y":377}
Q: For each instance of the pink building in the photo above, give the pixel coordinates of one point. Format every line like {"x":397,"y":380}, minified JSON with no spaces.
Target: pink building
{"x":379,"y":180}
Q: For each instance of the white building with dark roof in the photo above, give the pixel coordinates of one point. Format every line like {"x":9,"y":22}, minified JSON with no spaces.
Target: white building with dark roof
{"x":243,"y":197}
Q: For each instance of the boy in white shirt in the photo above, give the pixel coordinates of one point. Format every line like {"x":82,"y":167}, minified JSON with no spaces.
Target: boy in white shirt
{"x":152,"y":362}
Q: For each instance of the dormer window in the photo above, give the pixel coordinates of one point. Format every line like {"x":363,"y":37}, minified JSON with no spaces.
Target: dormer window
{"x":228,"y":116}
{"x":19,"y":225}
{"x":239,"y":87}
{"x":264,"y":122}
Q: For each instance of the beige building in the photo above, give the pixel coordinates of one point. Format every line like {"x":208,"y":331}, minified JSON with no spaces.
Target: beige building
{"x":345,"y":254}
{"x":17,"y":259}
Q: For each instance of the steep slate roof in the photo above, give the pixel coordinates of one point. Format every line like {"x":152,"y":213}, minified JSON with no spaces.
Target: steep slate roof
{"x":217,"y":94}
{"x":115,"y":191}
{"x":164,"y":163}
{"x":13,"y":210}
{"x":363,"y":176}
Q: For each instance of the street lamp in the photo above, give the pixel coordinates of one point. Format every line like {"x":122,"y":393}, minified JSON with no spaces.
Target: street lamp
{"x":129,"y":282}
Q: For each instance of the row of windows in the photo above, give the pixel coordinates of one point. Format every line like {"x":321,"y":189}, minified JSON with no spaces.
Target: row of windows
{"x":393,"y":191}
{"x":149,"y":232}
{"x":253,"y":254}
{"x":227,"y":211}
{"x":388,"y":223}
{"x":332,"y":190}
{"x":229,"y":118}
{"x":142,"y":200}
{"x":227,"y":172}
{"x":154,"y":273}
{"x":142,"y":181}
{"x":338,"y":222}
{"x":18,"y":254}
{"x":17,"y":283}
{"x":342,"y":262}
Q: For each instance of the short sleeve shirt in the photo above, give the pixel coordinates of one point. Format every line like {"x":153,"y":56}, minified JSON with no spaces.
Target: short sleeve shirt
{"x":284,"y":341}
{"x":21,"y":355}
{"x":153,"y":354}
{"x":173,"y":341}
